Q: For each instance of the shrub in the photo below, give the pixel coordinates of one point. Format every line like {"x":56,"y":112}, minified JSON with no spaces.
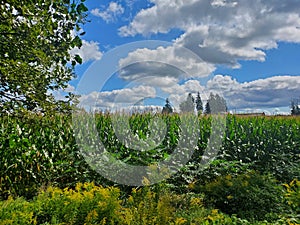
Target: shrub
{"x":149,"y":207}
{"x":17,"y":211}
{"x":89,"y":204}
{"x":251,"y":196}
{"x":292,"y":196}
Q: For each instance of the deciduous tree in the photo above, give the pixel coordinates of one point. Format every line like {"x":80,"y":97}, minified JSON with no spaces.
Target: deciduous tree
{"x":35,"y":42}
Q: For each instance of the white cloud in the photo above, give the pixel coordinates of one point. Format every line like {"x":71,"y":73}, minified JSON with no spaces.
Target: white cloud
{"x":61,"y":94}
{"x":270,"y":95}
{"x":88,"y":51}
{"x":130,"y":96}
{"x":223,"y":3}
{"x":271,"y":92}
{"x":179,"y":92}
{"x":111,"y":13}
{"x":263,"y":95}
{"x":117,"y":98}
{"x":222,"y":31}
{"x":158,"y":82}
{"x":164,"y":62}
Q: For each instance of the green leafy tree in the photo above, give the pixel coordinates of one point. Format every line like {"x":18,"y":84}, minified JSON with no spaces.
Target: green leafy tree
{"x":35,"y":42}
{"x":188,"y":104}
{"x":199,"y":104}
{"x":167,"y":108}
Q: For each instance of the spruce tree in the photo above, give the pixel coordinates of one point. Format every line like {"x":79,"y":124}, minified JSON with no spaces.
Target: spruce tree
{"x":167,"y":108}
{"x":199,"y":104}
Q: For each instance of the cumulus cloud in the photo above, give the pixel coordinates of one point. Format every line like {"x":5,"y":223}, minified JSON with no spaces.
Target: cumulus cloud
{"x":223,"y":3}
{"x":222,"y":31}
{"x":88,"y":51}
{"x":259,"y":95}
{"x":179,"y":92}
{"x":172,"y":61}
{"x":111,"y":13}
{"x":117,"y":98}
{"x":62,"y":93}
{"x":218,"y":32}
{"x":263,"y":93}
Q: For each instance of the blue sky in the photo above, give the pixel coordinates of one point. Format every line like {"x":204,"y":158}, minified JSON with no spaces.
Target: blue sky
{"x":247,"y":51}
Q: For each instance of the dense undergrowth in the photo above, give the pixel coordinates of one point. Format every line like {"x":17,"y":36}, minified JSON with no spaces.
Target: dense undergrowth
{"x":90,"y":204}
{"x":45,"y":180}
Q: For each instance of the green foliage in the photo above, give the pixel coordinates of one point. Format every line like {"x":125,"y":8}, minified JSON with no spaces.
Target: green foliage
{"x":250,"y":196}
{"x":16,"y":211}
{"x":145,"y":206}
{"x":35,"y":40}
{"x":89,"y":204}
{"x":219,"y":168}
{"x":86,"y":204}
{"x":270,"y":144}
{"x":203,"y":216}
{"x":36,"y":150}
{"x":292,"y":196}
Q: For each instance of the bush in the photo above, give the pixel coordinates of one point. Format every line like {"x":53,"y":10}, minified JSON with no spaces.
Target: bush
{"x":292,"y":196}
{"x":89,"y":204}
{"x":17,"y":211}
{"x":145,"y":206}
{"x":250,"y":196}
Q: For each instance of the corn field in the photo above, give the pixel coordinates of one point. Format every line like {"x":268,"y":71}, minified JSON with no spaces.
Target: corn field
{"x":39,"y":150}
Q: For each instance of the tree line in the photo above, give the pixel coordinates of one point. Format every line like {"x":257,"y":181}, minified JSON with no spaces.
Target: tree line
{"x":215,"y":104}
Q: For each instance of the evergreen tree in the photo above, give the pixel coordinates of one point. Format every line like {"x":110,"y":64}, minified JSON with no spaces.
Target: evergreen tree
{"x":207,"y":108}
{"x":199,"y":104}
{"x":167,"y":108}
{"x":295,"y":109}
{"x":215,"y":104}
{"x":188,"y":105}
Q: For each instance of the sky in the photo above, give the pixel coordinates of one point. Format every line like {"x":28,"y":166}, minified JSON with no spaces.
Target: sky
{"x":140,"y":52}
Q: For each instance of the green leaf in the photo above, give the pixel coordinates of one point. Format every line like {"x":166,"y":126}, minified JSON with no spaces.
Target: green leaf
{"x":81,"y":8}
{"x":41,"y":43}
{"x":78,"y":59}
